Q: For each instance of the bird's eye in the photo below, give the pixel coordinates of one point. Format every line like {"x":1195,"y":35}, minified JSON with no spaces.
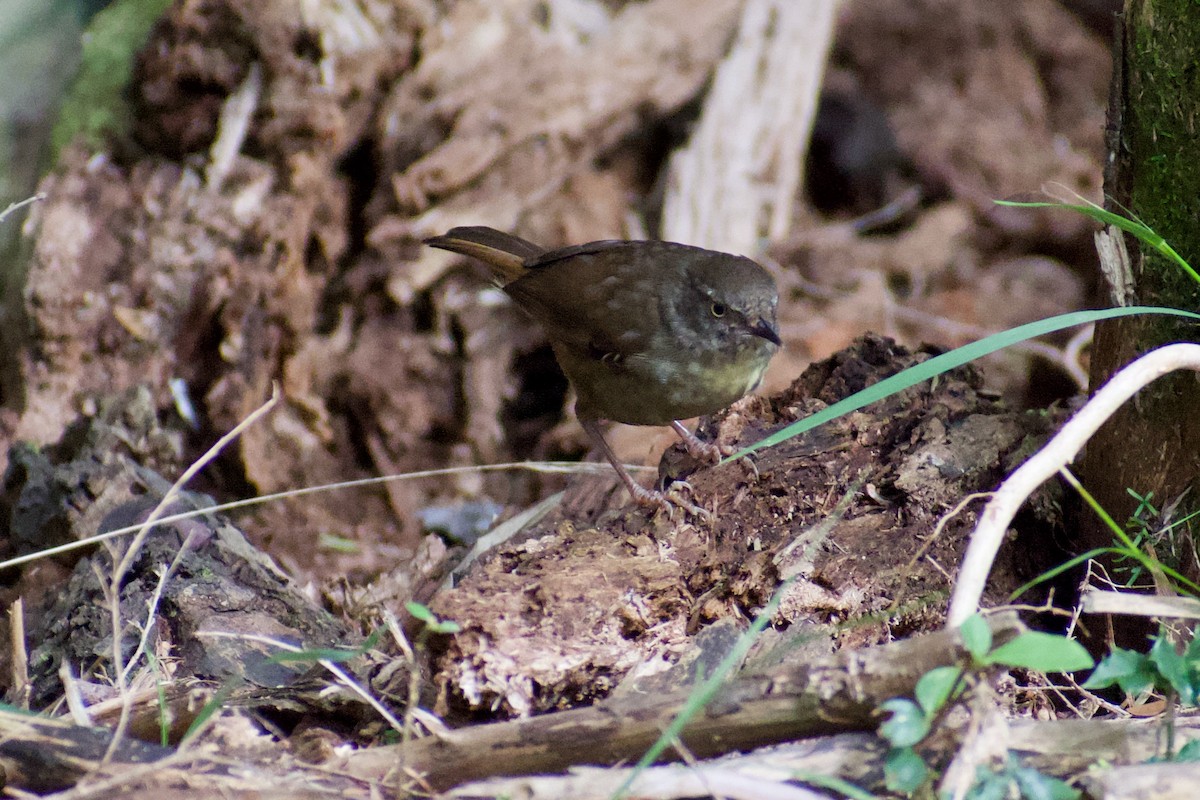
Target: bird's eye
{"x":718,"y":309}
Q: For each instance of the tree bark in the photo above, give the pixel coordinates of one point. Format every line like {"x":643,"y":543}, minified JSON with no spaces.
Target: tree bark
{"x":1153,"y":444}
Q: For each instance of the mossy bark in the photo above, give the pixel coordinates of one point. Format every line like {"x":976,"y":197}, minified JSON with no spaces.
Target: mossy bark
{"x":1153,"y":444}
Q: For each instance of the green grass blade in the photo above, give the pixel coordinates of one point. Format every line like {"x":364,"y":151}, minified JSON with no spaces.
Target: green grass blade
{"x":1143,"y":232}
{"x":707,"y":689}
{"x":955,"y":358}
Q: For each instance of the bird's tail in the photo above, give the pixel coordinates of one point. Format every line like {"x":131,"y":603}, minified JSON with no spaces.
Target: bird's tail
{"x":504,"y":253}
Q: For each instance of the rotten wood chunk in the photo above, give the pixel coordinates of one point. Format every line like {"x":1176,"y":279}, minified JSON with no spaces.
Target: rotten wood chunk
{"x":220,"y":598}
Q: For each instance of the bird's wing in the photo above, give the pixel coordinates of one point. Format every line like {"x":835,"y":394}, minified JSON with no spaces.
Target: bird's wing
{"x":588,"y":304}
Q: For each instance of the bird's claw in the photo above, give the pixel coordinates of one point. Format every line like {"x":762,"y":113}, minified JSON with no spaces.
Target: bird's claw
{"x":700,"y":450}
{"x":673,"y":500}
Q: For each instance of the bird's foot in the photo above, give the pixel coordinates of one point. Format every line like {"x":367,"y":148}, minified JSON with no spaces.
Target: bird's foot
{"x":672,"y":501}
{"x":700,"y":450}
{"x":676,"y":496}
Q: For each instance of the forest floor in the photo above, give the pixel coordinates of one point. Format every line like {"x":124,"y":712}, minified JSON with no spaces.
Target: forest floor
{"x":259,"y":225}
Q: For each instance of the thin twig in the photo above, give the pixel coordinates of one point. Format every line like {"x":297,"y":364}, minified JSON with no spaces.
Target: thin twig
{"x":19,"y":668}
{"x":19,"y":204}
{"x":126,"y":563}
{"x":547,"y":467}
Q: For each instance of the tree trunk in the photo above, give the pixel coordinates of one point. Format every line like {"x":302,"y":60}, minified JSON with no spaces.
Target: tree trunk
{"x":1153,"y":444}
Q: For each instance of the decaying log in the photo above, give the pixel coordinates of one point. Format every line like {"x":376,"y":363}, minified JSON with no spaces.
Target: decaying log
{"x":853,"y":757}
{"x":1145,"y":782}
{"x":42,"y":754}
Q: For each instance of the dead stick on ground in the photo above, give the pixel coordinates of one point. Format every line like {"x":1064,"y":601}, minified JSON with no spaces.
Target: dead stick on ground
{"x":122,"y":566}
{"x":840,"y":692}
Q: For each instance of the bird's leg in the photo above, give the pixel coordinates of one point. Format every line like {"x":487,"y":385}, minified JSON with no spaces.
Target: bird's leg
{"x":641,"y":496}
{"x":701,"y":451}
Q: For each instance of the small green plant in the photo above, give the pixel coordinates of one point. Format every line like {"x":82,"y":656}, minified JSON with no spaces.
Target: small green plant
{"x":1125,"y":547}
{"x":95,"y":105}
{"x":433,"y":625}
{"x":912,"y":720}
{"x":996,"y":784}
{"x":1162,"y":669}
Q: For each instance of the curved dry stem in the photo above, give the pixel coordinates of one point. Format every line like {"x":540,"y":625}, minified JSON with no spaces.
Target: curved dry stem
{"x":1056,"y":454}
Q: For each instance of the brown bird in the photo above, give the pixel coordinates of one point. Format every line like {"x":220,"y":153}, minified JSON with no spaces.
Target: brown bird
{"x":647,"y":332}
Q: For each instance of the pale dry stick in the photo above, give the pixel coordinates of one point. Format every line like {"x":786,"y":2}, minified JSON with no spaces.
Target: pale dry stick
{"x":122,"y":568}
{"x":19,"y":204}
{"x":1072,"y":354}
{"x":1119,"y":712}
{"x":1056,"y":454}
{"x":547,"y":467}
{"x":156,"y":598}
{"x":103,"y":787}
{"x":736,"y":181}
{"x":77,"y":707}
{"x":330,"y":666}
{"x":1140,"y":605}
{"x":232,"y":127}
{"x":1045,"y":607}
{"x":19,"y":668}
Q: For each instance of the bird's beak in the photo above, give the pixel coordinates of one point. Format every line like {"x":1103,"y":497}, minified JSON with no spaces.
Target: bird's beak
{"x":762,"y":328}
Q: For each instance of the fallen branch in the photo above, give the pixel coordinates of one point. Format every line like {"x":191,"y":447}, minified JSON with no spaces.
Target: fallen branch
{"x":836,"y":693}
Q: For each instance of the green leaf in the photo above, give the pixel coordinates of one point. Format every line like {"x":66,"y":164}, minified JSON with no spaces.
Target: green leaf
{"x":1036,"y":786}
{"x":1044,"y":652}
{"x":907,"y":725}
{"x":934,"y":688}
{"x":904,"y":771}
{"x":989,"y":785}
{"x":338,"y":544}
{"x":955,"y":358}
{"x":1189,"y":752}
{"x":1174,"y":669}
{"x":833,"y":783}
{"x":1129,"y":669}
{"x":1192,"y":652}
{"x":420,"y":612}
{"x":95,"y":104}
{"x":334,"y":654}
{"x":976,"y":636}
